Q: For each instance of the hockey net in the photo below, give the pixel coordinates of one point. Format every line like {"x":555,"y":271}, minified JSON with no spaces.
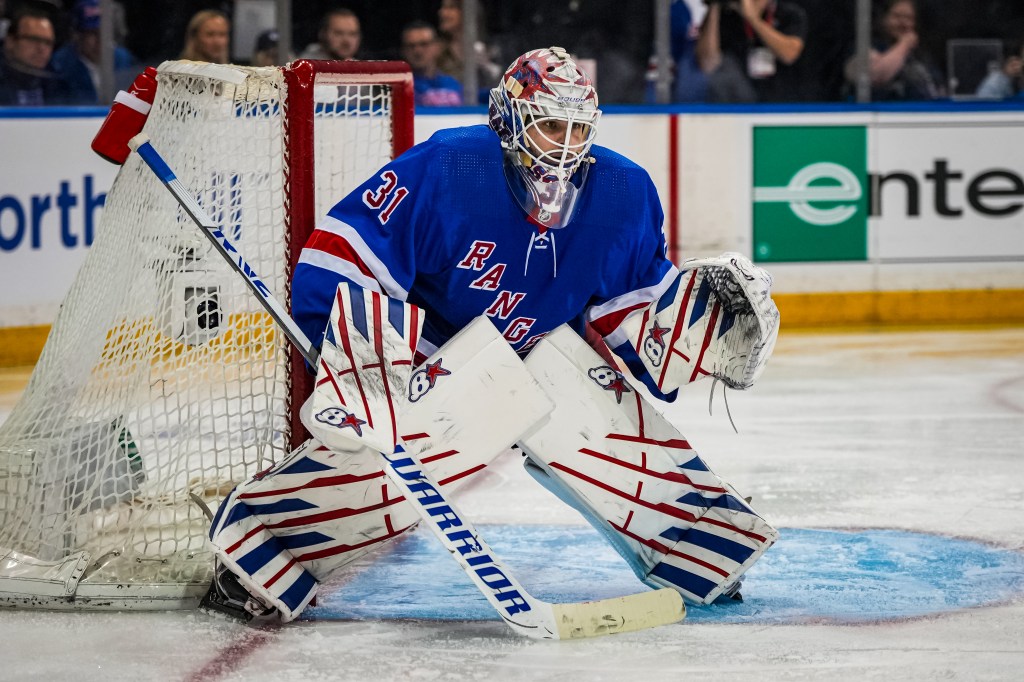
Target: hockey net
{"x":162,"y":379}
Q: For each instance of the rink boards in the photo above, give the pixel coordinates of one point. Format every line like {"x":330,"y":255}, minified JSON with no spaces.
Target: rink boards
{"x":887,"y":215}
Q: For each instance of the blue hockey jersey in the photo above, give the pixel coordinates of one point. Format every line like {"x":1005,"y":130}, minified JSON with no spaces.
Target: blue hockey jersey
{"x":438,"y":227}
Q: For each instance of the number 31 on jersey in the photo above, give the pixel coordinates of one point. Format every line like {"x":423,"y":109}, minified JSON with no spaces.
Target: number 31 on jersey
{"x":388,"y":195}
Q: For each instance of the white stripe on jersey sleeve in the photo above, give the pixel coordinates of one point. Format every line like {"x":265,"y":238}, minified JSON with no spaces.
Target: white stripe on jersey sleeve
{"x":345,"y":268}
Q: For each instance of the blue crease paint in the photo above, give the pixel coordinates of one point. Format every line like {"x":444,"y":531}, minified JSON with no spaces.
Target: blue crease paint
{"x":807,"y":576}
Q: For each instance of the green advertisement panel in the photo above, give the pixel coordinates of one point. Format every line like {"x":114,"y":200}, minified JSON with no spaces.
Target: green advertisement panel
{"x":810,"y":193}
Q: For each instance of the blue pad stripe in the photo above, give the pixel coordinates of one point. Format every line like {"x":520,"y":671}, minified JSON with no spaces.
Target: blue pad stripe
{"x":688,"y":581}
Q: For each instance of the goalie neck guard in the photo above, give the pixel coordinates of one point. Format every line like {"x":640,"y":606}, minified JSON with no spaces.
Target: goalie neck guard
{"x":545,"y":113}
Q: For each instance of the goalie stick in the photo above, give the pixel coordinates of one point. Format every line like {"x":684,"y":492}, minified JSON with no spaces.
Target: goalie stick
{"x":524,"y":613}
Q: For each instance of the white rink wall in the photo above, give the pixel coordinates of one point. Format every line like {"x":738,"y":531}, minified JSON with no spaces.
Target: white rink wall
{"x":950,"y":184}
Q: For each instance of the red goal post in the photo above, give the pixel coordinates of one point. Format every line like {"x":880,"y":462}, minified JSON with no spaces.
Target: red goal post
{"x":301,"y":76}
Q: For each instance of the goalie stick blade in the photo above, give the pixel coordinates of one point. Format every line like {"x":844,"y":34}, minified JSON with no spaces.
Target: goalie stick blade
{"x":620,"y":614}
{"x":524,"y":613}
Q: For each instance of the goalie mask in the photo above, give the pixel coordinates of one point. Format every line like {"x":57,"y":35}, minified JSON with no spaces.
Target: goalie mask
{"x":545,"y":113}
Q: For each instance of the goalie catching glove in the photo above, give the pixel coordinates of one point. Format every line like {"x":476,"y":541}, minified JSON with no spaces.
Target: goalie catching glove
{"x":717,"y":319}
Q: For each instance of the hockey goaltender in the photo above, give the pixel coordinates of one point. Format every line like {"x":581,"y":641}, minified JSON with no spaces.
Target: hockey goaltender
{"x":520,"y":235}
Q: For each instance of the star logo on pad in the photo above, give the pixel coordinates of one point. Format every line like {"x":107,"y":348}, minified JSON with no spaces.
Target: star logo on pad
{"x":658,"y":333}
{"x":619,"y":386}
{"x":423,"y":379}
{"x":355,"y":422}
{"x":435,"y":370}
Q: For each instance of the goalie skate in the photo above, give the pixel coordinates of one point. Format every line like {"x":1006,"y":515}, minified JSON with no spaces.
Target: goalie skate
{"x":227,"y":596}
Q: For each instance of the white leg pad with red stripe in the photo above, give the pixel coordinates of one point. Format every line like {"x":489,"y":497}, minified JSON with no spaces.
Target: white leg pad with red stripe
{"x":634,"y":476}
{"x":717,"y":319}
{"x":319,"y":509}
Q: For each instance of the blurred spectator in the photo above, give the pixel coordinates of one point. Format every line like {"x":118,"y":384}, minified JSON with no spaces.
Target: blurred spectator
{"x":832,"y":39}
{"x":421,"y":48}
{"x":451,"y":61}
{"x":615,"y":37}
{"x":78,"y":61}
{"x":748,"y":48}
{"x":898,"y":70}
{"x":1006,"y":81}
{"x":4,"y":21}
{"x":689,"y":84}
{"x":25,"y":79}
{"x":266,"y":52}
{"x":338,"y":38}
{"x":206,"y":37}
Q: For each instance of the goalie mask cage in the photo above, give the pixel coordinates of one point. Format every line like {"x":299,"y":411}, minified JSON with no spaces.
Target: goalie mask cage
{"x":162,"y":378}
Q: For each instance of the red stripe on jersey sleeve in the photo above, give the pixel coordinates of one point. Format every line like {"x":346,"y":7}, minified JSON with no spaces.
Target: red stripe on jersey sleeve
{"x":337,"y":245}
{"x":606,"y":324}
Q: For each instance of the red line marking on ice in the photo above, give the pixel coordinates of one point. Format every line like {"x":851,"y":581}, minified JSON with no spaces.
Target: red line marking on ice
{"x":998,"y":392}
{"x":228,"y":660}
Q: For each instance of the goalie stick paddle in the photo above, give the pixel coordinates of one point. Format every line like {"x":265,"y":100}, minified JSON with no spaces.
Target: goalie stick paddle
{"x":524,"y":613}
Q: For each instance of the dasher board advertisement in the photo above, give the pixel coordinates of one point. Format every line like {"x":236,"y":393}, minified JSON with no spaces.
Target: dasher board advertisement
{"x":888,"y":191}
{"x":944,"y":191}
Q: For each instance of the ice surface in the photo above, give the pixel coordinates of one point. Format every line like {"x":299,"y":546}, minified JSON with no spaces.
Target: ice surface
{"x":911,"y":444}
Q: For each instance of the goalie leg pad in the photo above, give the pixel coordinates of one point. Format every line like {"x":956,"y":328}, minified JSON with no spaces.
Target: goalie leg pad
{"x":634,"y":477}
{"x":263,"y":564}
{"x":557,"y":487}
{"x":693,"y":556}
{"x":325,"y":508}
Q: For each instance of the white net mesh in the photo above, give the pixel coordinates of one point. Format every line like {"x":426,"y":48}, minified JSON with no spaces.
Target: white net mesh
{"x":162,"y":377}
